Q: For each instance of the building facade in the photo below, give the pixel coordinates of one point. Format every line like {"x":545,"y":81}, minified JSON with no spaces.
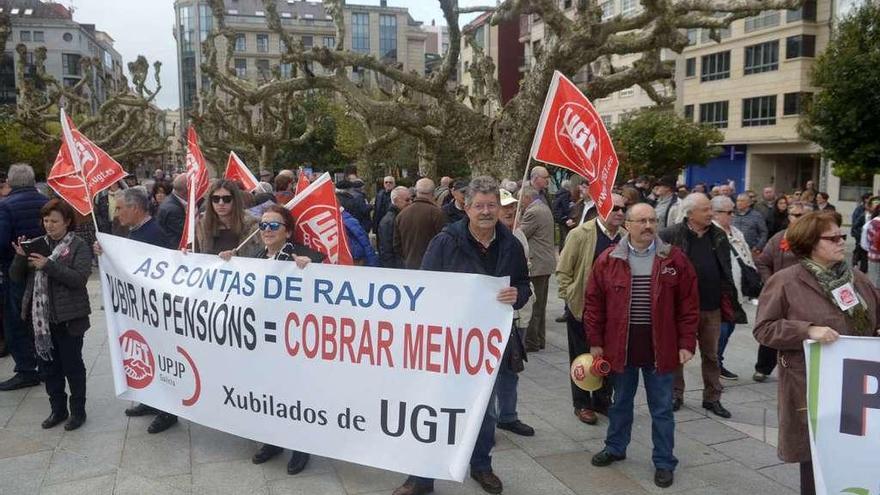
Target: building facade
{"x":388,"y":33}
{"x":38,"y":24}
{"x":500,"y":42}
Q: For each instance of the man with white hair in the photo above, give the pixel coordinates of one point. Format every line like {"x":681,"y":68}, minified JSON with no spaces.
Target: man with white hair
{"x":382,"y":202}
{"x":537,"y":225}
{"x":443,"y":191}
{"x":417,"y":225}
{"x":400,"y":199}
{"x":708,"y":249}
{"x":19,"y":216}
{"x":539,"y":178}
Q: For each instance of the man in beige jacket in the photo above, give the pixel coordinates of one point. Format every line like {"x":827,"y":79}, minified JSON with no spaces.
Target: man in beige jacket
{"x":538,"y":226}
{"x":583,"y":245}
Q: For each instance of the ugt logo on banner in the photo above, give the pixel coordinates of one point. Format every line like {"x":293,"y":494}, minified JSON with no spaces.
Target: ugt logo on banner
{"x":571,"y":135}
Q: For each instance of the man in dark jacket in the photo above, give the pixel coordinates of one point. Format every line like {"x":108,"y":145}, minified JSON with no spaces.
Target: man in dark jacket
{"x":478,"y":244}
{"x":383,"y":202}
{"x":708,"y":249}
{"x":417,"y":225}
{"x":354,"y":202}
{"x":562,"y":205}
{"x":19,"y":216}
{"x":400,"y":199}
{"x":454,"y":210}
{"x":172,"y":212}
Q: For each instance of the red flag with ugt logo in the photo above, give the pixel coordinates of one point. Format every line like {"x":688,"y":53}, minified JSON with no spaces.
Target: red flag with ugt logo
{"x":319,"y":221}
{"x":197,"y":185}
{"x":95,"y":166}
{"x":571,"y":135}
{"x":237,"y":171}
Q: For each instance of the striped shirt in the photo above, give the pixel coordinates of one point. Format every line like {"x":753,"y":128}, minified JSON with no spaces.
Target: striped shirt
{"x":640,"y":302}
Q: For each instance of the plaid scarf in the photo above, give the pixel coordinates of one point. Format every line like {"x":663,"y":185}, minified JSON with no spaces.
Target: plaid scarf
{"x":40,"y":302}
{"x":838,"y":276}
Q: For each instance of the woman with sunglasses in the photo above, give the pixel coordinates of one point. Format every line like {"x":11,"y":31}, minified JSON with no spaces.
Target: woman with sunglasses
{"x":276,"y":231}
{"x":226,"y":224}
{"x":820,"y":298}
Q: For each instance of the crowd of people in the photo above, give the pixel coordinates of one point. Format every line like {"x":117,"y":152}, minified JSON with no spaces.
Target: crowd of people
{"x":668,"y":272}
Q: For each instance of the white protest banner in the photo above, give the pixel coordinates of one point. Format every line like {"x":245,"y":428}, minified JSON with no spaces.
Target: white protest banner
{"x":843,"y":403}
{"x":387,"y":368}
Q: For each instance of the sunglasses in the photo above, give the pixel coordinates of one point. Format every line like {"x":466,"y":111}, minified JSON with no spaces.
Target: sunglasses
{"x":795,"y":215}
{"x":273,"y":226}
{"x":834,"y":238}
{"x":227,"y":198}
{"x":617,"y":209}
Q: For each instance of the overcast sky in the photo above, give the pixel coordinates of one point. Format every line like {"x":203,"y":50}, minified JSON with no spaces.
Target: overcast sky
{"x":145,"y":28}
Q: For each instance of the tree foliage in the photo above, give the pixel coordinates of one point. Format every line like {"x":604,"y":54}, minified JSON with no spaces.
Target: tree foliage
{"x":844,"y":117}
{"x":657,"y":142}
{"x":17,"y":146}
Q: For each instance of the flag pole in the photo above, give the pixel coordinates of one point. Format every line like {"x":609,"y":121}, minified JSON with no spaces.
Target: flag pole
{"x":247,"y":239}
{"x":67,"y":136}
{"x":519,"y":195}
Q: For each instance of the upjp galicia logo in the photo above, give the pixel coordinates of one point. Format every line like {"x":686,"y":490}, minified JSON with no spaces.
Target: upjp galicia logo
{"x":137,"y":360}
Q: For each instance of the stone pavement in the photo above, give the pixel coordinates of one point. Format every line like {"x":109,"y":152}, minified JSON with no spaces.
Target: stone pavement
{"x":114,"y":454}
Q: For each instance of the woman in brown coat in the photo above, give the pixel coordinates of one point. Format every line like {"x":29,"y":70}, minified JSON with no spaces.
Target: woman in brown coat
{"x":797,"y":304}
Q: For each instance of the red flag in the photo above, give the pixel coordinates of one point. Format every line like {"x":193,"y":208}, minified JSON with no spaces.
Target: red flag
{"x":237,"y":171}
{"x":302,"y":184}
{"x":97,"y":167}
{"x":197,"y":179}
{"x":319,"y":221}
{"x":571,"y":135}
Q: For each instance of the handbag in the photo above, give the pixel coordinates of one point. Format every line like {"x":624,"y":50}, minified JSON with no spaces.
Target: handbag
{"x":516,"y":352}
{"x":750,"y":279}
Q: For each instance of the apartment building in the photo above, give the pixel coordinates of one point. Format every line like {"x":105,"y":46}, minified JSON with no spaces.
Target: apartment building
{"x":51,"y":25}
{"x":389,"y":33}
{"x":500,"y":43}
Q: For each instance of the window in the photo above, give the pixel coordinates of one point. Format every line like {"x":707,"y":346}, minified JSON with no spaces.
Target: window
{"x":263,"y":69}
{"x":852,"y":190}
{"x":39,"y":36}
{"x":262,"y":43}
{"x":24,"y":35}
{"x":308,"y":42}
{"x":330,"y":42}
{"x":722,"y":33}
{"x":240,"y":43}
{"x":626,"y":93}
{"x":185,"y":29}
{"x":286,"y":70}
{"x":689,"y":112}
{"x":260,"y":13}
{"x":765,"y":19}
{"x":607,"y":120}
{"x":232,"y":11}
{"x":206,"y":22}
{"x":803,"y":45}
{"x":690,"y":67}
{"x":759,"y":111}
{"x":388,"y":37}
{"x":360,"y":32}
{"x":693,"y":36}
{"x":763,"y":57}
{"x":714,"y":114}
{"x":480,"y":36}
{"x":67,"y":37}
{"x":608,"y":10}
{"x":806,"y":13}
{"x":795,"y":103}
{"x":70,"y":64}
{"x":241,"y":68}
{"x":628,"y":7}
{"x":715,"y":66}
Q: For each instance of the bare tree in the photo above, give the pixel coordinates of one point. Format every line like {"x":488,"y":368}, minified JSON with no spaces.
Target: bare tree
{"x":496,"y":142}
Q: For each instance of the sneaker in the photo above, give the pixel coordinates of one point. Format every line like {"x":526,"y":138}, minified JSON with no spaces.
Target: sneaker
{"x":663,"y":478}
{"x":728,"y":375}
{"x":605,"y":458}
{"x":20,"y":380}
{"x":518,"y":427}
{"x":759,"y":377}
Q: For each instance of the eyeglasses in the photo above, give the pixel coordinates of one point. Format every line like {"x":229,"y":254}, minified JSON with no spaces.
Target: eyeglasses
{"x":273,"y":226}
{"x":226,"y":198}
{"x":616,"y":209}
{"x":834,"y":238}
{"x":726,"y":212}
{"x":795,"y":215}
{"x":644,"y":221}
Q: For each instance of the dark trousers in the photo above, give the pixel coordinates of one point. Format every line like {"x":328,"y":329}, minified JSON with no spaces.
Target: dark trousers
{"x":860,"y":258}
{"x":726,"y":331}
{"x":537,"y":332}
{"x":19,"y":335}
{"x":808,"y":483}
{"x":707,"y":338}
{"x":766,"y":360}
{"x":66,"y":364}
{"x":577,"y":345}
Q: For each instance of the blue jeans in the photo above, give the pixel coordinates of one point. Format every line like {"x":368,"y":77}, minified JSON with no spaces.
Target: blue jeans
{"x":505,"y":390}
{"x":726,"y":332}
{"x":481,"y":458}
{"x":19,"y":336}
{"x":659,"y":389}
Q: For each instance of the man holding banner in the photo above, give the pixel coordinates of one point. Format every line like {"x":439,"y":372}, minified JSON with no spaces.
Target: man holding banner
{"x":479,"y":244}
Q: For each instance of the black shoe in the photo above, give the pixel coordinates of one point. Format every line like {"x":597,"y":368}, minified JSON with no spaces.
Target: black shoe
{"x":411,"y":487}
{"x":162,"y":422}
{"x":488,"y":481}
{"x":518,"y":427}
{"x":663,"y":478}
{"x":297,"y":462}
{"x":677,"y":403}
{"x":560,"y":319}
{"x":54,"y":419}
{"x":140,"y":410}
{"x":605,"y":458}
{"x":265,"y":453}
{"x":20,"y":380}
{"x":75,"y":422}
{"x":759,"y":377}
{"x":728,"y":375}
{"x":717,"y":408}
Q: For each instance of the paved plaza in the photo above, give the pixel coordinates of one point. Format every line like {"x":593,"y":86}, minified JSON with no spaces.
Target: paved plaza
{"x":114,"y":454}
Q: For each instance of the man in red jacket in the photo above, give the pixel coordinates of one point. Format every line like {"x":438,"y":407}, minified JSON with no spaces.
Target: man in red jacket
{"x":658,"y":285}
